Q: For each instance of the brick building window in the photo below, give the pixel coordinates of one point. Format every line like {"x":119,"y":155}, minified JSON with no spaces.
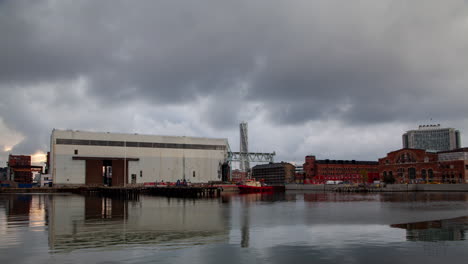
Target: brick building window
{"x":400,"y":172}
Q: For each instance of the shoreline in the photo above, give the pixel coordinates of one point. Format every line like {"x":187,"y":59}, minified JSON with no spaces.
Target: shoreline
{"x":125,"y":192}
{"x":387,"y":188}
{"x":288,"y":187}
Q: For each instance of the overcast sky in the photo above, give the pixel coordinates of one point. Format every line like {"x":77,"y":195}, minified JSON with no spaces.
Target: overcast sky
{"x":338,"y":79}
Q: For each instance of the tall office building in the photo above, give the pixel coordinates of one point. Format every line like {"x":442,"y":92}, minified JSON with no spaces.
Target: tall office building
{"x":432,"y":138}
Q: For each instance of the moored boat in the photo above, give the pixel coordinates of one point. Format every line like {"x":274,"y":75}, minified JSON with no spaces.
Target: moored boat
{"x":251,"y":186}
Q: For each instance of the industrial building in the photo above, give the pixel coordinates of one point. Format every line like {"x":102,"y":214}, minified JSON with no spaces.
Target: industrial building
{"x":352,"y":171}
{"x":114,"y":159}
{"x":299,"y":174}
{"x":274,"y":173}
{"x":20,"y":169}
{"x":432,"y":138}
{"x":3,"y":174}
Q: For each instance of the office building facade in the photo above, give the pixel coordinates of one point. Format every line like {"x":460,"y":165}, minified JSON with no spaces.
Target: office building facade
{"x":432,"y":138}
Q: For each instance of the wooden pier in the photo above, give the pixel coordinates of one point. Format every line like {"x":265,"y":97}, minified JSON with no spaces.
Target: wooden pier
{"x":207,"y":191}
{"x":186,"y":191}
{"x":114,"y":192}
{"x":169,"y":191}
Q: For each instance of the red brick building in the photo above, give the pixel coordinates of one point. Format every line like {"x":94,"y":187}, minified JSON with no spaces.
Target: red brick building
{"x":453,"y":165}
{"x":419,"y":166}
{"x":409,"y":166}
{"x":352,"y":171}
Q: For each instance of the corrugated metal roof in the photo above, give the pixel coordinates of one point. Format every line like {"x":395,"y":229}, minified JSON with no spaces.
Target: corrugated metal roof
{"x":358,"y":162}
{"x":454,"y":150}
{"x":271,"y":165}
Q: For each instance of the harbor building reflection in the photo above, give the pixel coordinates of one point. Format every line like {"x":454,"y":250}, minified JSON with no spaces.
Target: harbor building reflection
{"x":78,"y":222}
{"x":18,"y":210}
{"x":24,"y":209}
{"x":440,"y":230}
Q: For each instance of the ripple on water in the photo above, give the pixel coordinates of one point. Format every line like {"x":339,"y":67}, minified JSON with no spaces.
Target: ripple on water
{"x":292,"y":228}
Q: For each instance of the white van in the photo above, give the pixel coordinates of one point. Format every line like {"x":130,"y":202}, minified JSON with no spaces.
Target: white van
{"x":334,"y":182}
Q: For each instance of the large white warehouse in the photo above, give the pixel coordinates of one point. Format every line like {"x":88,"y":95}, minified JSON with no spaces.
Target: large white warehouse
{"x":114,"y":159}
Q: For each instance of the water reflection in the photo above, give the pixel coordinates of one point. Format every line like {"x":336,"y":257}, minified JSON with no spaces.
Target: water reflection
{"x":264,"y":197}
{"x":273,"y":228}
{"x":339,"y":197}
{"x":24,"y":210}
{"x":92,"y":222}
{"x":440,"y":230}
{"x":105,"y":208}
{"x":245,"y":232}
{"x":423,"y":197}
{"x":18,"y":210}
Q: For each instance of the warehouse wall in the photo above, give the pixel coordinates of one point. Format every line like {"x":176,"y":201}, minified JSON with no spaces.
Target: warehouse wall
{"x":154,"y":164}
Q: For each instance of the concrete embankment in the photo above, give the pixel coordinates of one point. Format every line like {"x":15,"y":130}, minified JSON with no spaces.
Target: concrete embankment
{"x":387,"y":188}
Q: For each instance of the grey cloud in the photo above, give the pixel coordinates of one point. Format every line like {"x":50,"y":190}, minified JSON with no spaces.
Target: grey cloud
{"x":382,"y":74}
{"x":168,"y":51}
{"x":296,"y":62}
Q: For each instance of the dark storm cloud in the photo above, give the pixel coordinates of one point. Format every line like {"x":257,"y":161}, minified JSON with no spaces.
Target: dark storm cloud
{"x":296,"y":61}
{"x":168,"y":51}
{"x":380,"y":67}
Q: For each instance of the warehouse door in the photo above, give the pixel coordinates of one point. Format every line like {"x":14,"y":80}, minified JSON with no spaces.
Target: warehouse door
{"x":225,"y":169}
{"x":94,"y":172}
{"x":118,"y":176}
{"x":105,"y":172}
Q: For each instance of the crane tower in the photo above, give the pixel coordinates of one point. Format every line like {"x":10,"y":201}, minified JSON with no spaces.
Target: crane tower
{"x":244,"y":147}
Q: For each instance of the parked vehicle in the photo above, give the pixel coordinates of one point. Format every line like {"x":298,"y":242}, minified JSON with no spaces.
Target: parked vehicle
{"x":334,"y":182}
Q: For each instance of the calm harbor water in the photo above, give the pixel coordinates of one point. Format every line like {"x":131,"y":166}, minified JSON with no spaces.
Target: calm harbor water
{"x":254,"y":228}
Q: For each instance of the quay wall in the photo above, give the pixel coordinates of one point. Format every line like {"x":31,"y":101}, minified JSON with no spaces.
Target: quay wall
{"x":38,"y":190}
{"x":387,"y":188}
{"x":127,"y":192}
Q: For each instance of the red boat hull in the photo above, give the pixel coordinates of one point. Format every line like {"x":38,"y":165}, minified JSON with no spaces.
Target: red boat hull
{"x":254,"y":189}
